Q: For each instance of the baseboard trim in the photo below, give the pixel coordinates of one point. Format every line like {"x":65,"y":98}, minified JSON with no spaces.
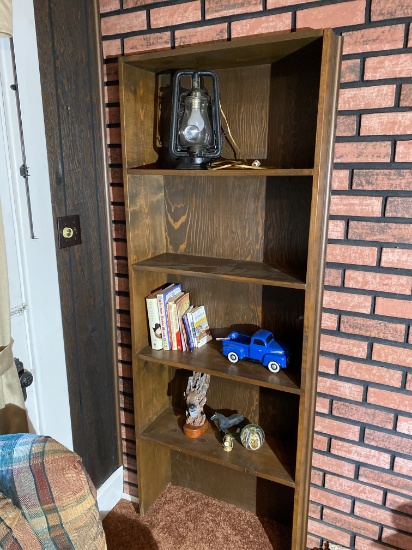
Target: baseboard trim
{"x":130,"y":497}
{"x":109,"y":494}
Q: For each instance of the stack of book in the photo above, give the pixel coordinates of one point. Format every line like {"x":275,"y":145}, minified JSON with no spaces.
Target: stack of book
{"x":175,"y":324}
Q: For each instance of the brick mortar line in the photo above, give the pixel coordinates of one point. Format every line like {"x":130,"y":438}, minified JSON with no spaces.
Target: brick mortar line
{"x":374,"y":316}
{"x":373,"y":219}
{"x":373,"y":340}
{"x":360,"y":424}
{"x":351,"y":421}
{"x":375,"y":138}
{"x":366,"y":520}
{"x":368,"y":338}
{"x":376,"y":53}
{"x":367,"y":483}
{"x":337,"y":527}
{"x":363,"y":404}
{"x":376,"y":82}
{"x":372,"y":166}
{"x":373,"y":111}
{"x":370,"y":362}
{"x":384,"y":193}
{"x":357,"y":84}
{"x":364,"y":244}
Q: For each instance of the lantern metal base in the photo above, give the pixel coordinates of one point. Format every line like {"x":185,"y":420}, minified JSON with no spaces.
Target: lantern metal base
{"x":193,"y":163}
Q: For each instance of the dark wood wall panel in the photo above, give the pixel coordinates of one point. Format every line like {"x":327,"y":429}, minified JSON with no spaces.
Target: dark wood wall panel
{"x":71,"y":86}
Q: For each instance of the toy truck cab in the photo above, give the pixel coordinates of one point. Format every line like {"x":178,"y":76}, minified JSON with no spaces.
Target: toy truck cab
{"x":260,"y":347}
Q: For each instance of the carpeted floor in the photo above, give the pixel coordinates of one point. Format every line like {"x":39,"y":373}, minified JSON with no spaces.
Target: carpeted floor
{"x":184,"y":520}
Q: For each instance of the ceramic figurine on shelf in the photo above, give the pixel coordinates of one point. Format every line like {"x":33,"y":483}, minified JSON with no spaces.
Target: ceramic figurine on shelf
{"x":252,"y":437}
{"x":226,"y":422}
{"x":195,"y":394}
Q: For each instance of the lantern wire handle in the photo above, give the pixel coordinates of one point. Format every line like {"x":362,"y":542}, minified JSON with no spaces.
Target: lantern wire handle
{"x":240,"y":162}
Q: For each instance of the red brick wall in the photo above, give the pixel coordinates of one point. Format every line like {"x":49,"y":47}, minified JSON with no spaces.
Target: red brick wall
{"x":362,"y":467}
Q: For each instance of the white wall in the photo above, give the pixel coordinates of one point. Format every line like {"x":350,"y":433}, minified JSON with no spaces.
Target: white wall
{"x":33,"y":279}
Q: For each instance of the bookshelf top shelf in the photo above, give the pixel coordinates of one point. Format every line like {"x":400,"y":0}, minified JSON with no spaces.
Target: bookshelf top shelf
{"x":229,"y":172}
{"x":208,"y":359}
{"x":272,"y":461}
{"x":220,"y":268}
{"x":236,"y":53}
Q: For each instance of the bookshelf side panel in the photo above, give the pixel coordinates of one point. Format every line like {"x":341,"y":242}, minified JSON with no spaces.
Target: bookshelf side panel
{"x":138,"y":112}
{"x":293,"y":103}
{"x":329,"y":87}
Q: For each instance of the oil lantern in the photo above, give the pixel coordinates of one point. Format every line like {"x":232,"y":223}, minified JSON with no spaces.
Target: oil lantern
{"x":196,"y":136}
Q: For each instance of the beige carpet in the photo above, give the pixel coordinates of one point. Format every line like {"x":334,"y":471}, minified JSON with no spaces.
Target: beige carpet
{"x":184,"y":520}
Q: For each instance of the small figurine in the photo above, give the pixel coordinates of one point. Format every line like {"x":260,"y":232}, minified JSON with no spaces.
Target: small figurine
{"x":195,"y":394}
{"x":227,"y":442}
{"x":226,"y":422}
{"x":260,"y":347}
{"x":252,"y":437}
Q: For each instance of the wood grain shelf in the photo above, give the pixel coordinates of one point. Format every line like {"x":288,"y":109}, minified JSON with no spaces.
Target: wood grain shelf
{"x":273,"y":461}
{"x":208,"y":359}
{"x":219,"y":268}
{"x":248,"y":52}
{"x":229,"y":172}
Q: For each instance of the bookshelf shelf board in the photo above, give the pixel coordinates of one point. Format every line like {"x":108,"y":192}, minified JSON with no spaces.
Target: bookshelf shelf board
{"x":248,"y":52}
{"x":208,"y":359}
{"x":273,"y":461}
{"x":219,"y":268}
{"x":264,"y":172}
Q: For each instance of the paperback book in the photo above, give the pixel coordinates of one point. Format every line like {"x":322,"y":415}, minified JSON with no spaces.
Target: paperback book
{"x":162,"y":298}
{"x":153,"y":318}
{"x":175,"y":307}
{"x":201,"y":326}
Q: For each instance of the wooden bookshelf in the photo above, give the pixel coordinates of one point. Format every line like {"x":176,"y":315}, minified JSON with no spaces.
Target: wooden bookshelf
{"x":247,"y":244}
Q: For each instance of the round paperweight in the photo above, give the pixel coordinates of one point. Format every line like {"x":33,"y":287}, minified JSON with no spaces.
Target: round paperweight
{"x":252,"y":437}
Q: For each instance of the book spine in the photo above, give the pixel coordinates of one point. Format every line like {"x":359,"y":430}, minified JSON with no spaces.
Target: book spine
{"x":183,"y":335}
{"x":180,"y":343}
{"x":174,"y":326}
{"x":191,"y":329}
{"x":201,"y":326}
{"x":163,"y":317}
{"x":162,"y":300}
{"x":154,"y":322}
{"x":187,"y":330}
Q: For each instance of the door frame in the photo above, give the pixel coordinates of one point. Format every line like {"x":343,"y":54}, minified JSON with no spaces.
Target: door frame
{"x":37,"y":323}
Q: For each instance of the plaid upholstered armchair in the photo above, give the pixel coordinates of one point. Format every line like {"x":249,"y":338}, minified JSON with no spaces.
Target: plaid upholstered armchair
{"x":47,"y":500}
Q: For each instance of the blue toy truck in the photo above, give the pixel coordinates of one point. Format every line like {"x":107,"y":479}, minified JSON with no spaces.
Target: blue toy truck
{"x":260,"y":347}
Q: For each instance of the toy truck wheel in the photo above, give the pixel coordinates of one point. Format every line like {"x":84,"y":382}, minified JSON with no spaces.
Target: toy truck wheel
{"x":273,"y":366}
{"x":233,"y":357}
